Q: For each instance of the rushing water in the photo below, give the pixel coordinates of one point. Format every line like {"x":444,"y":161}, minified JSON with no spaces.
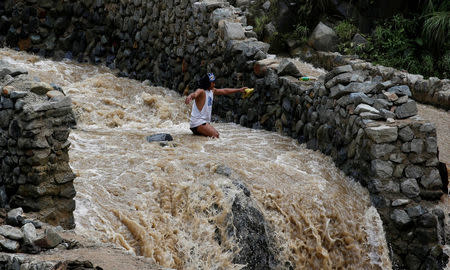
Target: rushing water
{"x":154,"y":200}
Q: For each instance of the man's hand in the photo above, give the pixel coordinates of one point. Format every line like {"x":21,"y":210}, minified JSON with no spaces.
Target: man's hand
{"x":188,"y":99}
{"x":242,"y":90}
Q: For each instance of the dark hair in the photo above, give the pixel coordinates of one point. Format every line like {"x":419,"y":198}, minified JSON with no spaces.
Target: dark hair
{"x":204,"y":82}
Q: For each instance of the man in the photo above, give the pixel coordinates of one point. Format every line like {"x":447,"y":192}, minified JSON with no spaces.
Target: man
{"x":202,"y":107}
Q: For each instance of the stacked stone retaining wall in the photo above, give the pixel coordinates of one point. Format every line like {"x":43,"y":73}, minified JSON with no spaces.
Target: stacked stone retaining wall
{"x":34,"y":129}
{"x":361,"y":115}
{"x":432,"y":91}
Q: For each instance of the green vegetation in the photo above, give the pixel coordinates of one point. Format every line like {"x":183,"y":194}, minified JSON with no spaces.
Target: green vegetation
{"x":417,"y":40}
{"x":346,"y":30}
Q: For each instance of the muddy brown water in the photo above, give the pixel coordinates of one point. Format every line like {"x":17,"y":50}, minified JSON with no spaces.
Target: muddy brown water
{"x":154,"y":200}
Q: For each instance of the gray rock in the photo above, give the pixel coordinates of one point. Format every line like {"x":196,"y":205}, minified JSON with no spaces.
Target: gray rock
{"x":401,"y":100}
{"x":397,"y":157}
{"x":415,"y":211}
{"x":289,"y":67}
{"x":233,"y":31}
{"x":29,"y":233}
{"x":400,"y":217}
{"x":323,"y":38}
{"x":13,"y":216}
{"x":427,"y":127}
{"x":398,"y":170}
{"x":401,"y":90}
{"x":18,"y":94}
{"x":358,"y":39}
{"x":431,"y":145}
{"x":410,"y":188}
{"x":365,"y":108}
{"x":406,"y":134}
{"x":413,"y":171}
{"x":40,"y":88}
{"x":266,"y":6}
{"x":338,"y":70}
{"x":382,"y":169}
{"x":221,"y":14}
{"x":379,"y":150}
{"x":346,"y":78}
{"x":269,"y":30}
{"x":400,"y":202}
{"x":380,"y":103}
{"x":224,"y":170}
{"x":371,"y":116}
{"x":358,"y":98}
{"x":50,"y":239}
{"x":406,"y":110}
{"x":432,"y":180}
{"x":159,"y":137}
{"x":11,"y":232}
{"x":416,"y":146}
{"x":386,"y":114}
{"x":340,"y":90}
{"x":382,"y":134}
{"x":9,"y":245}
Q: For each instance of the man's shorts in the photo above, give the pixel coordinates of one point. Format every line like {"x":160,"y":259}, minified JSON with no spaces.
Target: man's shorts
{"x":194,"y":129}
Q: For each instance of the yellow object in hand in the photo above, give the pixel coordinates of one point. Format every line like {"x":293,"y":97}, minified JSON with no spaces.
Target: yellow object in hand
{"x":248,"y":92}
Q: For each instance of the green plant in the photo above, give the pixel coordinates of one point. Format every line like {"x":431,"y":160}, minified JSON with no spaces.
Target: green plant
{"x":345,"y":30}
{"x":260,"y":22}
{"x":436,"y":26}
{"x":301,"y":32}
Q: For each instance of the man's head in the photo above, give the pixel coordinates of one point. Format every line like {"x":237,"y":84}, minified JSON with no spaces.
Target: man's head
{"x":207,"y":81}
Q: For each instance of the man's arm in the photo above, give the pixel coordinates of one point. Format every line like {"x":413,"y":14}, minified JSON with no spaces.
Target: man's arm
{"x":228,"y":91}
{"x":194,"y":95}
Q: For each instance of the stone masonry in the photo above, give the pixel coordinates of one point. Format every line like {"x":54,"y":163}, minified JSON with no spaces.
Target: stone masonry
{"x":34,"y":160}
{"x":361,"y":115}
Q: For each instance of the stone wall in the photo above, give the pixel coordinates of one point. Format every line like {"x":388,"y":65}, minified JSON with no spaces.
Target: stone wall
{"x":34,"y":127}
{"x":361,"y":115}
{"x":432,"y":91}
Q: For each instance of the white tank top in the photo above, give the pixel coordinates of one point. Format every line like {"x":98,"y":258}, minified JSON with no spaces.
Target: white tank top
{"x":200,"y":117}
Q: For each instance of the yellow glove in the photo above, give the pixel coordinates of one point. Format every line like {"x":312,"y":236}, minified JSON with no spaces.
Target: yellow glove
{"x":248,"y":92}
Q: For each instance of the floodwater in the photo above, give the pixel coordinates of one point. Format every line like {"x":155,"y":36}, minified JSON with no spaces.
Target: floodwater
{"x":156,"y":200}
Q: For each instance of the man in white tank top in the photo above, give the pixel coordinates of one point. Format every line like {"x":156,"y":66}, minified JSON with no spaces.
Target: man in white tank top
{"x":202,"y":107}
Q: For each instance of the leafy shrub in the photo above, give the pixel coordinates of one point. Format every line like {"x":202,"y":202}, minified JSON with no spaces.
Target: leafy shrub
{"x":345,"y":30}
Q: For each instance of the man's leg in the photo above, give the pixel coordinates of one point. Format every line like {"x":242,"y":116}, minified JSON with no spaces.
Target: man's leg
{"x":208,"y":130}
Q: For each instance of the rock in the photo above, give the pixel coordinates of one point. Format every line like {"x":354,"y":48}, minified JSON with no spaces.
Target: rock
{"x":358,"y":39}
{"x":221,"y":14}
{"x":390,"y":96}
{"x":18,"y":94}
{"x":54,"y":93}
{"x":358,"y":98}
{"x":346,"y":78}
{"x":382,"y":134}
{"x":400,"y":202}
{"x":323,"y":38}
{"x":410,"y":188}
{"x":382,"y":169}
{"x":11,"y":232}
{"x":14,"y":216}
{"x":413,"y":171}
{"x":3,"y":197}
{"x":380,"y":150}
{"x":406,"y":110}
{"x":406,"y":134}
{"x":269,"y":31}
{"x":289,"y":67}
{"x":416,"y":146}
{"x":432,"y":180}
{"x":338,"y":70}
{"x":428,"y":220}
{"x":365,"y":108}
{"x":224,"y":170}
{"x":401,"y":90}
{"x":9,"y":245}
{"x":249,"y":228}
{"x":401,"y":100}
{"x":400,"y":217}
{"x":50,"y":239}
{"x":29,"y":233}
{"x":40,"y":88}
{"x":159,"y":137}
{"x":233,"y":31}
{"x":415,"y":211}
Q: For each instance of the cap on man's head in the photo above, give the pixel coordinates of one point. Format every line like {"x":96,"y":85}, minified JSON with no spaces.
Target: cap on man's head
{"x":211,"y":77}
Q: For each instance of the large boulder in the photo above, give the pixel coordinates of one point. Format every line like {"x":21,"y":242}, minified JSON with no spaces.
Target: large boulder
{"x":323,"y":38}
